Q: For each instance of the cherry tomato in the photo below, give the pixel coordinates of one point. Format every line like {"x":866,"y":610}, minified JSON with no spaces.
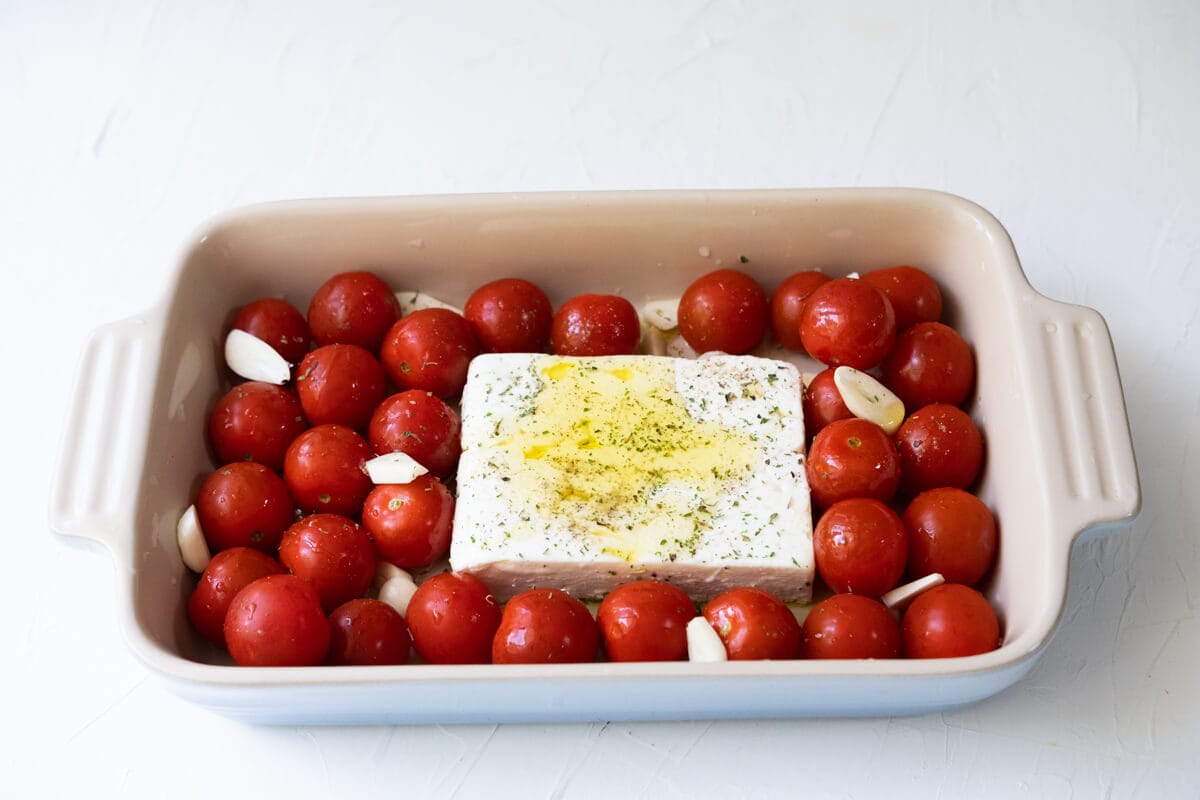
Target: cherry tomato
{"x":646,"y":621}
{"x":848,"y":321}
{"x":340,"y":383}
{"x":411,"y":522}
{"x":754,"y":624}
{"x":333,"y":553}
{"x":930,"y":363}
{"x":914,"y":295}
{"x":421,"y":425}
{"x":786,"y":304}
{"x":724,"y":310}
{"x":510,"y":315}
{"x":277,"y":621}
{"x":595,"y":325}
{"x":353,"y":308}
{"x":948,"y":621}
{"x":325,"y":470}
{"x":227,"y":573}
{"x":244,"y":504}
{"x":452,"y":618}
{"x":952,"y":532}
{"x":823,"y":403}
{"x":255,"y":421}
{"x":850,"y":626}
{"x":860,"y":546}
{"x":852,"y":458}
{"x":430,"y":350}
{"x":939,"y":445}
{"x":279,"y":324}
{"x":545,"y":626}
{"x":366,"y":631}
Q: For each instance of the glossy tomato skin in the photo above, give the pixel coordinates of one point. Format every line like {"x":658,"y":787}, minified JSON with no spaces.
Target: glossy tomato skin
{"x":430,"y":350}
{"x":948,"y":621}
{"x":645,"y":621}
{"x":545,"y":626}
{"x":952,"y":532}
{"x":754,"y":624}
{"x":255,"y":421}
{"x":244,"y":504}
{"x":453,"y":618}
{"x":227,"y":573}
{"x":279,"y":324}
{"x":277,"y":621}
{"x":915,"y":297}
{"x":847,"y":321}
{"x":595,"y":325}
{"x":331,"y":552}
{"x":823,"y":403}
{"x":787,"y":302}
{"x":852,"y":458}
{"x":860,"y":546}
{"x":850,"y":626}
{"x":410,"y":523}
{"x":724,"y":310}
{"x":365,"y":632}
{"x":325,"y":470}
{"x":930,"y":363}
{"x":939,"y":445}
{"x":510,"y":315}
{"x":421,"y":425}
{"x":340,"y":384}
{"x":353,"y":308}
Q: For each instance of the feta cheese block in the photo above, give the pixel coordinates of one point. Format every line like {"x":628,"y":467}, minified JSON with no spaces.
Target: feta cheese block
{"x":586,"y":473}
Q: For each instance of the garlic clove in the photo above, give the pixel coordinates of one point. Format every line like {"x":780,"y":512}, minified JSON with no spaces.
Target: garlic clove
{"x":869,"y":399}
{"x":193,"y":547}
{"x":662,"y":314}
{"x":394,"y":468}
{"x":397,"y":592}
{"x":413,"y":300}
{"x":255,"y":360}
{"x":703,"y":643}
{"x":901,"y":596}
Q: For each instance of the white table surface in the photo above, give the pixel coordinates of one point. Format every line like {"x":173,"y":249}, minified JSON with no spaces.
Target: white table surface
{"x":126,"y":125}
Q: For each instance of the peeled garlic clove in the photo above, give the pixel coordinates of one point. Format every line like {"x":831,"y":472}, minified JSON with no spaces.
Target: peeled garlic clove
{"x":703,"y":643}
{"x":394,"y":468}
{"x":653,"y":342}
{"x":901,"y":596}
{"x":384,"y":572}
{"x":397,"y":592}
{"x":869,"y":399}
{"x":678,"y":347}
{"x":662,"y":314}
{"x":192,"y":544}
{"x":254,"y":359}
{"x":411,"y":301}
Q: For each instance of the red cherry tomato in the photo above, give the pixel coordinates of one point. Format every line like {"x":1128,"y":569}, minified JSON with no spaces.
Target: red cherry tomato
{"x":930,"y":363}
{"x":244,"y":504}
{"x":452,"y":618}
{"x":823,"y":403}
{"x":510,"y":315}
{"x":595,"y":325}
{"x":939,"y":445}
{"x":353,"y":308}
{"x":421,"y":425}
{"x":786,"y":304}
{"x":860,"y":546}
{"x":952,"y":532}
{"x":411,"y":522}
{"x":333,"y":553}
{"x":366,"y":631}
{"x":852,"y":458}
{"x":255,"y":421}
{"x":341,"y":384}
{"x":948,"y":621}
{"x":724,"y":310}
{"x":227,"y":573}
{"x":545,"y":626}
{"x":277,"y":621}
{"x":646,"y":621}
{"x":850,"y":626}
{"x":848,"y":321}
{"x":325,"y":470}
{"x":754,"y":624}
{"x":914,"y":295}
{"x":430,"y":350}
{"x":279,"y":324}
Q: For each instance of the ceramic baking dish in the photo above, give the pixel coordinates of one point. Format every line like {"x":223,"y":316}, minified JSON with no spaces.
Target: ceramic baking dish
{"x":1059,"y":454}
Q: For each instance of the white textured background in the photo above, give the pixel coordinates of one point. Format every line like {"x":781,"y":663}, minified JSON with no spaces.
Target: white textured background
{"x":124,"y":125}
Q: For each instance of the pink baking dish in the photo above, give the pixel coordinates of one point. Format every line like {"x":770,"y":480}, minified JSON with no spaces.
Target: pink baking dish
{"x":1060,"y":460}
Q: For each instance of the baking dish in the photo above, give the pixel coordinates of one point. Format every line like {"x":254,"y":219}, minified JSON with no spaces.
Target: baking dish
{"x":1060,"y":460}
